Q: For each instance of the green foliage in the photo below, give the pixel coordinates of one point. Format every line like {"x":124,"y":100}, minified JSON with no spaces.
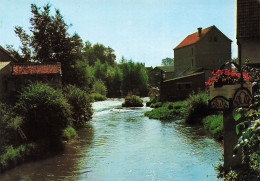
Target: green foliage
{"x":9,"y":122}
{"x":85,"y":75}
{"x":13,"y":156}
{"x":214,"y":124}
{"x":134,"y":79}
{"x":156,"y":105}
{"x":197,"y":108}
{"x":97,"y":97}
{"x":168,"y":111}
{"x":95,"y":52}
{"x":49,"y":41}
{"x":69,"y":133}
{"x":45,"y":112}
{"x":133,"y":101}
{"x":167,"y":62}
{"x":80,"y":104}
{"x":99,"y":87}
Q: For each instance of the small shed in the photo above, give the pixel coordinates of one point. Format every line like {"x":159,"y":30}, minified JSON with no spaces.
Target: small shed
{"x":180,"y":88}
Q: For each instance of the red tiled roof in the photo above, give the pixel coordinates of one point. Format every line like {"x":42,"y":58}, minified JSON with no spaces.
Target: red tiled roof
{"x":193,"y":38}
{"x":23,"y":69}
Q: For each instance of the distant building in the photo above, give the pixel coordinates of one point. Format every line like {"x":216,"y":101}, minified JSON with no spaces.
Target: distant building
{"x":205,"y":49}
{"x":194,"y":59}
{"x":167,"y":72}
{"x":180,"y":88}
{"x":248,"y":30}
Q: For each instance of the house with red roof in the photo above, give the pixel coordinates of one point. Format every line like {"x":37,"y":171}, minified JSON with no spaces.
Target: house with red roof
{"x":206,"y":50}
{"x":194,"y":59}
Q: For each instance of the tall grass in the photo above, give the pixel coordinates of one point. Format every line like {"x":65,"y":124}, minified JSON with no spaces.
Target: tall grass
{"x":197,"y":108}
{"x":214,"y":124}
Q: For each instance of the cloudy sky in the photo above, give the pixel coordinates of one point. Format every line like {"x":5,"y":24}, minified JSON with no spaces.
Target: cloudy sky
{"x":141,"y":30}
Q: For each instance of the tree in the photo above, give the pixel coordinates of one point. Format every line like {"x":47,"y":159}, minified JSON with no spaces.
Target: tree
{"x":167,"y":62}
{"x":93,"y":53}
{"x":49,"y":41}
{"x":134,"y":78}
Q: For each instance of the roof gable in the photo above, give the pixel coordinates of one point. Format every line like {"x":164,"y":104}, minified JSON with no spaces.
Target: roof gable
{"x":25,"y":69}
{"x":8,"y":54}
{"x":165,"y":68}
{"x":193,"y":38}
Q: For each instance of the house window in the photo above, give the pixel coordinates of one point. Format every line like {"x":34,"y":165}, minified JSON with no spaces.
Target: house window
{"x":215,"y":38}
{"x":210,"y":39}
{"x":192,"y":64}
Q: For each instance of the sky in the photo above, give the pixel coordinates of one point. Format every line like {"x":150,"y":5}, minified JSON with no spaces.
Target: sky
{"x":142,"y":30}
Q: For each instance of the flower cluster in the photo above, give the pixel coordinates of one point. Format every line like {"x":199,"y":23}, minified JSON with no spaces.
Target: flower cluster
{"x":226,"y":77}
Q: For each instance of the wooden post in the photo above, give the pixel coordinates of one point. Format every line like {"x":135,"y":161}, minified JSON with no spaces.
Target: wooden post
{"x":230,"y":140}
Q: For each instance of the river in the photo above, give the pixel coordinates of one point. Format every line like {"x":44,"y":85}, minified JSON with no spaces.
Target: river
{"x":124,"y":145}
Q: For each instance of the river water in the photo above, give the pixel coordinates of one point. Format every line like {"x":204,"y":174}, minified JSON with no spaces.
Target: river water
{"x":122,"y":145}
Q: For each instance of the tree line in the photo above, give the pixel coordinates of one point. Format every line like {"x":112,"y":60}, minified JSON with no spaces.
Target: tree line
{"x":91,"y":67}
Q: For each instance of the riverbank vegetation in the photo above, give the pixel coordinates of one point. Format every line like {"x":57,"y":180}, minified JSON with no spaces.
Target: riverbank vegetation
{"x":132,"y":101}
{"x":40,"y":121}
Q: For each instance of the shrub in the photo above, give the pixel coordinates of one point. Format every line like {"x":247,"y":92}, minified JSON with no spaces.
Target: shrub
{"x":69,"y":133}
{"x":214,"y":124}
{"x":13,"y":156}
{"x":167,"y":111}
{"x":97,"y":97}
{"x":133,"y":101}
{"x":197,"y":108}
{"x":156,"y":105}
{"x":80,"y":104}
{"x":99,"y":87}
{"x":45,"y":112}
{"x":9,"y":123}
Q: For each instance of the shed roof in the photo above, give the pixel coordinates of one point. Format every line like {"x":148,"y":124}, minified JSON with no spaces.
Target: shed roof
{"x":23,"y":69}
{"x":165,"y":68}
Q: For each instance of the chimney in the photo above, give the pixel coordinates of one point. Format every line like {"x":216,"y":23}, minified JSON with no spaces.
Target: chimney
{"x":199,"y":31}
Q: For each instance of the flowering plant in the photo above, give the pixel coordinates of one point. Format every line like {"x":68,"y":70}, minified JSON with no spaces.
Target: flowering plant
{"x":226,"y":77}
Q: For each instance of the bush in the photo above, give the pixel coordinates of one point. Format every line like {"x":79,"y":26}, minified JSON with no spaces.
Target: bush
{"x":167,"y":111}
{"x":99,"y":87}
{"x":197,"y":108}
{"x":8,"y":127}
{"x":45,"y":113}
{"x":69,"y":133}
{"x":13,"y":156}
{"x":214,"y":124}
{"x":156,"y":105}
{"x":97,"y":97}
{"x":80,"y":104}
{"x":133,"y":101}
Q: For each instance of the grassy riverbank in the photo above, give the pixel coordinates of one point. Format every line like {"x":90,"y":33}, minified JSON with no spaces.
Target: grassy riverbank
{"x":194,"y":110}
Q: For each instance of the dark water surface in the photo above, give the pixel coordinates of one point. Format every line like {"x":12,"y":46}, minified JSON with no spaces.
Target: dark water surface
{"x":122,"y":144}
